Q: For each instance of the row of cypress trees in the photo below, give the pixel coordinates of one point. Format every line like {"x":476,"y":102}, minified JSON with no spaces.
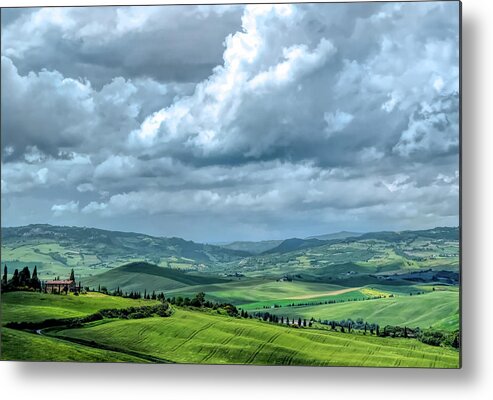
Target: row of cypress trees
{"x":21,"y":280}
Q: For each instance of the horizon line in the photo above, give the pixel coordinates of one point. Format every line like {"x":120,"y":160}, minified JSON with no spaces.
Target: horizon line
{"x":232,"y":241}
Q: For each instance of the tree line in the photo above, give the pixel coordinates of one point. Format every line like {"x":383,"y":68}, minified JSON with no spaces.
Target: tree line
{"x":129,"y":295}
{"x":161,"y":310}
{"x":198,"y":301}
{"x":316,"y":303}
{"x":429,"y":336}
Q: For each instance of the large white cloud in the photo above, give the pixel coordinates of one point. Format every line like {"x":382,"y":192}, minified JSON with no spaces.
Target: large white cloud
{"x":56,"y":115}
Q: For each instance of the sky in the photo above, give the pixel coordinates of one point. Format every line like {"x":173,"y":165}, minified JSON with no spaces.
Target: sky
{"x":223,"y":123}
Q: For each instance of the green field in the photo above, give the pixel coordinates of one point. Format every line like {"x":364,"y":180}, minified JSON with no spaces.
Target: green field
{"x":139,"y":275}
{"x":408,"y":279}
{"x":439,"y":309}
{"x":35,"y":307}
{"x":23,"y":346}
{"x":200,"y":337}
{"x":249,"y":290}
{"x":191,"y":336}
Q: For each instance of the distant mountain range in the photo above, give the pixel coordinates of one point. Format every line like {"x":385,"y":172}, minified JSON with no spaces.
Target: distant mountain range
{"x":110,"y":245}
{"x":268,"y":246}
{"x":134,"y":260}
{"x":294,"y":244}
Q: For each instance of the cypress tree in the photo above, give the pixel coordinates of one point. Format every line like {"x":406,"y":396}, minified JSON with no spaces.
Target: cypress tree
{"x":15,"y":278}
{"x":4,"y":279}
{"x":72,"y":275}
{"x":24,"y":277}
{"x":35,"y":284}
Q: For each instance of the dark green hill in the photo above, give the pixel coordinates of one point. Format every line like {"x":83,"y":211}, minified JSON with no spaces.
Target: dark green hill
{"x":138,"y":276}
{"x":337,"y":235}
{"x":295,"y":244}
{"x":252,"y":247}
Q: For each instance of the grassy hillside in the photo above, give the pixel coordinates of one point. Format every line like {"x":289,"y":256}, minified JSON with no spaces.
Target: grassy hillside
{"x":23,"y":346}
{"x":34,"y":307}
{"x":257,"y":290}
{"x":253,"y":247}
{"x":334,"y":279}
{"x":362,"y":256}
{"x":140,"y":275}
{"x":57,"y":249}
{"x":336,"y":235}
{"x":438,"y":309}
{"x":199,"y":337}
{"x":293,"y":244}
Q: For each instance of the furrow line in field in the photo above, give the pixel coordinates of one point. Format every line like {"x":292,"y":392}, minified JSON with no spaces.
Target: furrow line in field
{"x":195,"y":333}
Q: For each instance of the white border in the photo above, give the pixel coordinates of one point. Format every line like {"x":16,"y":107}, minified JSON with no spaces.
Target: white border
{"x":474,"y":381}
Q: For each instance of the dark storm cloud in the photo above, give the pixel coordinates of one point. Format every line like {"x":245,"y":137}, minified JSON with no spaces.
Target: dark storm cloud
{"x":295,"y":120}
{"x":10,"y":15}
{"x":167,"y":44}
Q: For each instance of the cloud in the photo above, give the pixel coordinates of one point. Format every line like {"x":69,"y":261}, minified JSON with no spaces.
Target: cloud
{"x":278,"y":120}
{"x":61,"y":209}
{"x":52,"y":115}
{"x":99,"y":43}
{"x":432,"y":129}
{"x":85,"y":187}
{"x":94,"y":206}
{"x":337,"y":121}
{"x":298,"y":61}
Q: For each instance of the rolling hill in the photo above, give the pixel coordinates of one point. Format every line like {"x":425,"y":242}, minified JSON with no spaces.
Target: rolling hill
{"x":56,"y":249}
{"x":294,"y":244}
{"x":336,"y":235}
{"x":138,"y":276}
{"x":252,"y":247}
{"x":200,"y":337}
{"x":193,"y":336}
{"x":439,"y":309}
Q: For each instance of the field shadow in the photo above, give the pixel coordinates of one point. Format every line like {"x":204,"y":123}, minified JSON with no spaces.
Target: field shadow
{"x":371,"y":378}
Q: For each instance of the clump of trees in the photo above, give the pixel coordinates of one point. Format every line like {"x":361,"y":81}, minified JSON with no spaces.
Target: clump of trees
{"x":199,"y":301}
{"x":350,"y":325}
{"x":22,"y":280}
{"x":430,"y":336}
{"x":440,"y":338}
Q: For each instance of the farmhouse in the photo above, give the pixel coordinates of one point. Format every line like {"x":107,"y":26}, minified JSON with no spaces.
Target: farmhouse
{"x":61,"y":285}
